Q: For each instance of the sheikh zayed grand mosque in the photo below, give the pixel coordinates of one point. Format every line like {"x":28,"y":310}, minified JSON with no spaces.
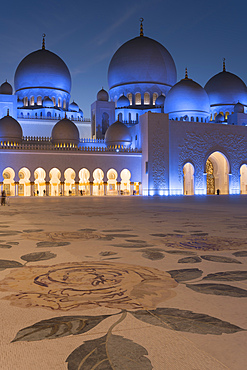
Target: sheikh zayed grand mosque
{"x":148,"y":134}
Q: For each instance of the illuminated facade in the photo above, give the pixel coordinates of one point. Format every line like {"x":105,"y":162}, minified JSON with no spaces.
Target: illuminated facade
{"x":149,"y":134}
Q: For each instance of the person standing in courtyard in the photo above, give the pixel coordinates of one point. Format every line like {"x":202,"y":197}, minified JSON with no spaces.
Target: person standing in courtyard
{"x":3,"y":199}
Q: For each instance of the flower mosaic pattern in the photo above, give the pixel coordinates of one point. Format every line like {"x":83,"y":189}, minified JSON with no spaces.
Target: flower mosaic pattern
{"x":83,"y":285}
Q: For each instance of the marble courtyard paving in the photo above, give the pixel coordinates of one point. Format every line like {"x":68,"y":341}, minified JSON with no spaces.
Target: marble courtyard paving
{"x":123,"y":283}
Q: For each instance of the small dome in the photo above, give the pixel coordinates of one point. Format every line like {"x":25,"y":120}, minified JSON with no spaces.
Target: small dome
{"x":48,"y":103}
{"x":65,"y":132}
{"x":123,"y":102}
{"x":226,"y":88}
{"x":19,"y":103}
{"x":102,"y":95}
{"x":219,"y":118}
{"x":10,"y":130}
{"x":238,"y":108}
{"x":118,"y":134}
{"x":187,"y":97}
{"x":160,"y":101}
{"x":73,"y":107}
{"x":6,"y":89}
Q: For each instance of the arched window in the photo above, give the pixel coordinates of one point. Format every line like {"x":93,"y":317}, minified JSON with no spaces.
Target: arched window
{"x":129,"y":117}
{"x":137,"y":117}
{"x":40,"y":114}
{"x":155,"y":96}
{"x":54,"y":100}
{"x":201,"y":119}
{"x":226,"y":115}
{"x":59,"y":103}
{"x":39,"y":100}
{"x":146,"y":99}
{"x":120,"y":117}
{"x":64,"y":103}
{"x":25,"y":101}
{"x":192,"y":119}
{"x":197,"y":119}
{"x":32,"y":100}
{"x":138,"y":99}
{"x":215,"y":114}
{"x":48,"y":114}
{"x":129,"y":96}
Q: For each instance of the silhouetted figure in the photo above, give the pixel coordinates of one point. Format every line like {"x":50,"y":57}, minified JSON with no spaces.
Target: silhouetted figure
{"x":218,"y":191}
{"x":44,"y":192}
{"x":37,"y":193}
{"x":3,"y":199}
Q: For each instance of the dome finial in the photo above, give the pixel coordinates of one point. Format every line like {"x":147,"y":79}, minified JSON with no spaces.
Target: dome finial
{"x":43,"y":42}
{"x":141,"y":26}
{"x":186,"y":73}
{"x":224,"y":64}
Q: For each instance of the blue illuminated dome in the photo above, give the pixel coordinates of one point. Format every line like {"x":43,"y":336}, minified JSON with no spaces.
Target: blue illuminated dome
{"x":10,"y":130}
{"x":73,"y":107}
{"x":6,"y":88}
{"x":118,"y":135}
{"x":48,"y":103}
{"x":65,"y":132}
{"x":226,"y":88}
{"x":40,"y":74}
{"x":42,"y":68}
{"x":187,"y":100}
{"x":123,"y":101}
{"x":160,"y":101}
{"x":141,"y":65}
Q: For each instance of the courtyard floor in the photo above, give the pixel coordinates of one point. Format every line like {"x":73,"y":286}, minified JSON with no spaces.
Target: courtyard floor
{"x":123,"y":283}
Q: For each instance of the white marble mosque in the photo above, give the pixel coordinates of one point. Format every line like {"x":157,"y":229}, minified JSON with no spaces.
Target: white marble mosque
{"x":148,"y":135}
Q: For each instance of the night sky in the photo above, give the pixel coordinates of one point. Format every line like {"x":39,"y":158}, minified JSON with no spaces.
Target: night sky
{"x":85,"y":34}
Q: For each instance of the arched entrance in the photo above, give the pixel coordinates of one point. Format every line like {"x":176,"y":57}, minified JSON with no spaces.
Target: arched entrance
{"x":112,"y":182}
{"x":69,"y":185}
{"x":9,"y":182}
{"x":24,"y":188}
{"x":243,"y":179}
{"x":217,"y":169}
{"x":188,"y":172}
{"x":125,"y":183}
{"x":98,"y":184}
{"x":55,"y":188}
{"x":39,"y":182}
{"x":84,"y":184}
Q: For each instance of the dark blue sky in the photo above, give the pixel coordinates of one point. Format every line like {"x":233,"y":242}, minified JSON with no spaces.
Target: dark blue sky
{"x":198,"y":34}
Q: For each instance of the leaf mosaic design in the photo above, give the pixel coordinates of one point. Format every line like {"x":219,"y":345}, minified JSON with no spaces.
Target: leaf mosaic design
{"x":193,"y":259}
{"x":58,"y":327}
{"x":5,"y":264}
{"x":51,"y":244}
{"x":218,"y":289}
{"x":38,"y":256}
{"x":109,"y":352}
{"x":240,"y":254}
{"x":186,"y":321}
{"x":33,"y":230}
{"x":221,"y":259}
{"x":185,"y":274}
{"x":227,"y":276}
{"x":186,"y":253}
{"x":5,"y":246}
{"x":153,"y":255}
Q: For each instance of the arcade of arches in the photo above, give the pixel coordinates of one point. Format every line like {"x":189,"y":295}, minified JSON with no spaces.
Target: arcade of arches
{"x":217,"y":176}
{"x":56,"y":187}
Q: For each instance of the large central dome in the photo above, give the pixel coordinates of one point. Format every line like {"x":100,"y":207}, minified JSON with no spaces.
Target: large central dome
{"x":142,"y":60}
{"x":42,"y":69}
